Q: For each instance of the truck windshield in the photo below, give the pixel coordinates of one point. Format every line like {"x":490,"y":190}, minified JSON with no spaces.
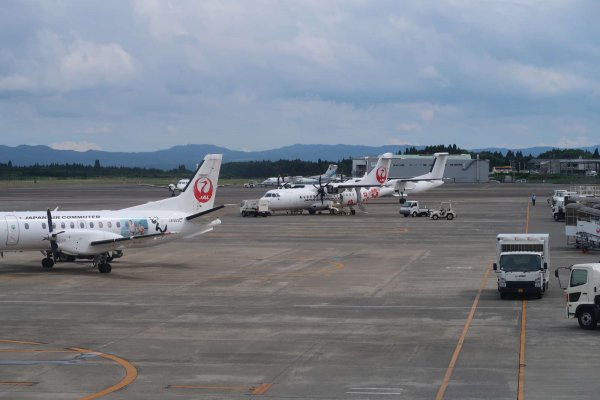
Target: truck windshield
{"x":520,"y":262}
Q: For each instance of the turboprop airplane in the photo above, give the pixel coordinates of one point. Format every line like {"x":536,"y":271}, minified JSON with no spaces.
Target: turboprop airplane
{"x":397,"y":186}
{"x":102,"y":235}
{"x":328,"y":176}
{"x":317,"y":198}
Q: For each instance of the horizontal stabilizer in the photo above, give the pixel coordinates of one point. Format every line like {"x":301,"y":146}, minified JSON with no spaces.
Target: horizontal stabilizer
{"x":123,"y":239}
{"x":213,"y":213}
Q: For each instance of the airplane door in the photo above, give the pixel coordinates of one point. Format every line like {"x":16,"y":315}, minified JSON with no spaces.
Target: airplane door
{"x":12,"y":230}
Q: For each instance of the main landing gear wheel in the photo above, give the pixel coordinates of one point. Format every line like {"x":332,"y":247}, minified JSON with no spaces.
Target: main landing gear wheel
{"x":104,"y":268}
{"x":47,"y":262}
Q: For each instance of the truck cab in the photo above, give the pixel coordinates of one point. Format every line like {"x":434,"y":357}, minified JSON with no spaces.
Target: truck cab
{"x":412,"y":208}
{"x":582,"y":294}
{"x":522,"y":263}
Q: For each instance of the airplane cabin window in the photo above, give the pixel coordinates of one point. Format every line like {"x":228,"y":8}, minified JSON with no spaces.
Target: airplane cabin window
{"x":81,"y":225}
{"x":109,"y":224}
{"x":26,"y":225}
{"x":92,"y":225}
{"x":44,"y":225}
{"x":72,"y":225}
{"x":62,"y":225}
{"x":53,"y":226}
{"x":118,"y":224}
{"x":100,"y":225}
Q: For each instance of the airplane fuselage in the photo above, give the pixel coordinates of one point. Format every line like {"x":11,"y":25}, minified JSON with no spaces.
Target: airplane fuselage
{"x":28,"y":230}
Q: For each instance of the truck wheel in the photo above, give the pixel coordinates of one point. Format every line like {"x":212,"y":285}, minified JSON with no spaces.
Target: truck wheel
{"x":435,"y":217}
{"x":405,"y":215}
{"x":244,"y":214}
{"x":587,"y":319}
{"x":450,"y":216}
{"x":414,"y":214}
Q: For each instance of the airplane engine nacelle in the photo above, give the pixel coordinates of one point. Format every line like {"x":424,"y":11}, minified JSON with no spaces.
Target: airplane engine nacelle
{"x":78,"y":242}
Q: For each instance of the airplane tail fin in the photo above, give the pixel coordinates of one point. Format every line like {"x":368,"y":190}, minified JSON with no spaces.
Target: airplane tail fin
{"x":378,"y":175}
{"x":437,"y":168}
{"x":330,"y":171}
{"x":198,"y":195}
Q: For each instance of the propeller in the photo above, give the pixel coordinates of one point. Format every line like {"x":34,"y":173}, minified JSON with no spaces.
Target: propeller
{"x":320,"y":191}
{"x":52,"y":236}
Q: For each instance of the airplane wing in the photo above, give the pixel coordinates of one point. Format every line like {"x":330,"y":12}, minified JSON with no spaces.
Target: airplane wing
{"x":123,"y":239}
{"x":212,"y":214}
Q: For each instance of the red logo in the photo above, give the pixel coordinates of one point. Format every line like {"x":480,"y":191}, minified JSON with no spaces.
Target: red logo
{"x":374,"y":193}
{"x":381,"y":175}
{"x":598,"y":230}
{"x":203,"y":189}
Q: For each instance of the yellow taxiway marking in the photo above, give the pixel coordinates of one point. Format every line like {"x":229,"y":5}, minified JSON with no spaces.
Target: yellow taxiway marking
{"x":461,"y":340}
{"x":20,"y":342}
{"x":262,"y":389}
{"x":130,"y":373}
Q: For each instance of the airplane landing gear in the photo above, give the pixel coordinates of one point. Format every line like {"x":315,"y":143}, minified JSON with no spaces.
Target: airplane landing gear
{"x":104,"y":268}
{"x":47,"y":262}
{"x":102,"y":262}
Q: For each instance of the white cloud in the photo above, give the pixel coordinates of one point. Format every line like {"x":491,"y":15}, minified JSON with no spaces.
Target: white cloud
{"x":408,"y":127}
{"x":15,"y":83}
{"x":75,"y":146}
{"x":545,"y":81}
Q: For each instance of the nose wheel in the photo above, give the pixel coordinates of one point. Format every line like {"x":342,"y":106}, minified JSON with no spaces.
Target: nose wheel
{"x":102,"y":262}
{"x":47,"y":262}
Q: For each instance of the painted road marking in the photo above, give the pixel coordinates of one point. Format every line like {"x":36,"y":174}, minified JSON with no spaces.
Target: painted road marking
{"x":461,"y":340}
{"x":376,"y":391}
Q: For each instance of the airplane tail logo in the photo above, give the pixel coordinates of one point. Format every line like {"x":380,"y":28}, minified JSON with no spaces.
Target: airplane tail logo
{"x":381,"y":175}
{"x":203,"y":190}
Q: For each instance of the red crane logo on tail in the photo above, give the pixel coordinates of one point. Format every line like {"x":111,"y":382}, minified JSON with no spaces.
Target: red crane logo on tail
{"x":203,"y":189}
{"x":381,"y":175}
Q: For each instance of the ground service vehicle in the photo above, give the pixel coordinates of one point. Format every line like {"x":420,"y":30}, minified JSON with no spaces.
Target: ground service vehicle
{"x":583,"y":293}
{"x":444,"y":211}
{"x":522,"y":261}
{"x":254,"y":208}
{"x":413,"y":208}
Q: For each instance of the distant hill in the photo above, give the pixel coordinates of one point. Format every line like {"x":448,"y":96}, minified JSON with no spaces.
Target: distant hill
{"x":189,"y":155}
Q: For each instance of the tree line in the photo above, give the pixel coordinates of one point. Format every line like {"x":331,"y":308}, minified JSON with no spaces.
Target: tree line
{"x":263,"y":169}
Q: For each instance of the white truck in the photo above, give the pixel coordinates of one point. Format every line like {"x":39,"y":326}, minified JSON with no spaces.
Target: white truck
{"x":254,"y":208}
{"x":583,"y":293}
{"x":522,"y":261}
{"x":413,"y":208}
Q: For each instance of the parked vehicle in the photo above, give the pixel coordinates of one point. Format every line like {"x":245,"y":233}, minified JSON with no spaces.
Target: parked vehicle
{"x":254,"y":208}
{"x":444,"y":211}
{"x":413,"y":208}
{"x":582,"y":293}
{"x":522,"y":261}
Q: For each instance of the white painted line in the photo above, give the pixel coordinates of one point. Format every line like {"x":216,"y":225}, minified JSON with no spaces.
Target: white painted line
{"x":401,"y":307}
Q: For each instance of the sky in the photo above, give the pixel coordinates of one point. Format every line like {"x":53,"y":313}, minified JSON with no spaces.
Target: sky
{"x":252,"y":75}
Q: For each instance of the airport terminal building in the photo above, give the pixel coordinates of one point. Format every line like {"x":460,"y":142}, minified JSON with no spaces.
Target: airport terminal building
{"x":460,"y":168}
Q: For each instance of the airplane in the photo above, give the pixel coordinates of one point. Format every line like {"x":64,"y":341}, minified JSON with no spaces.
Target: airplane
{"x":418,"y":184}
{"x":101,"y":235}
{"x":396,"y":186}
{"x":287,"y":181}
{"x":328,"y":176}
{"x":317,"y":198}
{"x":174,"y":188}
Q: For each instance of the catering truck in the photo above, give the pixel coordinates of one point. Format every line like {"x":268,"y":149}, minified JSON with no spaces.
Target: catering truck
{"x":583,"y":293}
{"x":522,"y":261}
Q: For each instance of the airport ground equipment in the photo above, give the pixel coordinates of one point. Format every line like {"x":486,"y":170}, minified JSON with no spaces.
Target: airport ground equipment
{"x":414,"y":209}
{"x":254,"y":208}
{"x":444,"y":211}
{"x":582,"y":224}
{"x":522,"y":261}
{"x":582,"y":293}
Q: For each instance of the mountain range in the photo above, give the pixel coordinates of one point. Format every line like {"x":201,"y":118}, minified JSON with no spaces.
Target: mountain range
{"x":189,"y":155}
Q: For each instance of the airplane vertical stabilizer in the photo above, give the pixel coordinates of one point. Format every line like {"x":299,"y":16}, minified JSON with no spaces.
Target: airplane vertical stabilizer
{"x":199,"y":194}
{"x":378,"y":175}
{"x":437,"y":168}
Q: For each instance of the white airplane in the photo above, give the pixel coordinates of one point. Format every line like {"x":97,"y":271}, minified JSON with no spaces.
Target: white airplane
{"x":398,"y":186}
{"x":101,"y":235}
{"x":277,"y":181}
{"x":316,"y":198}
{"x":328,"y":176}
{"x":174,"y":188}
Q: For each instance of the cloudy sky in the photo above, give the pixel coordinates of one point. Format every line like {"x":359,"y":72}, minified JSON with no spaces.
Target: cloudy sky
{"x":254,"y":75}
